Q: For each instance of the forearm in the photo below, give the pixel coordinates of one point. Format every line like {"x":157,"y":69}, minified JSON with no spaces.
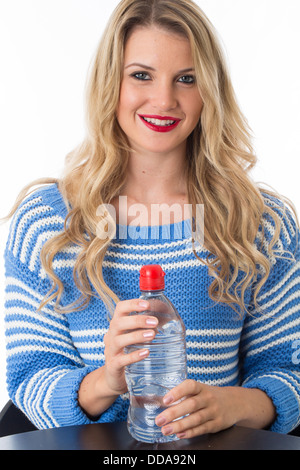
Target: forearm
{"x":94,"y":395}
{"x":254,"y":408}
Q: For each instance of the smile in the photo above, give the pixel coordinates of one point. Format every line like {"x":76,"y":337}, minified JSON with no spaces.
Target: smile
{"x":160,"y":123}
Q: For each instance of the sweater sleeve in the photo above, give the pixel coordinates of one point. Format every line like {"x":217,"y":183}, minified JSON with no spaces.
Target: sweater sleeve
{"x":44,"y":368}
{"x":271,"y":334}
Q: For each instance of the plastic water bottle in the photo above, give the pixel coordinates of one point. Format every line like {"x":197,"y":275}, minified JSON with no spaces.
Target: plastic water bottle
{"x":149,"y":380}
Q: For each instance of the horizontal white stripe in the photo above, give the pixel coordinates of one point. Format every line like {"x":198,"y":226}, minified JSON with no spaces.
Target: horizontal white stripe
{"x":283,"y":292}
{"x":217,"y":369}
{"x":87,"y":357}
{"x":214,"y":381}
{"x":17,"y":297}
{"x":204,"y":357}
{"x":71,"y":249}
{"x":279,"y":284}
{"x":35,"y":337}
{"x":285,"y":378}
{"x":58,"y":264}
{"x":26,"y":326}
{"x":293,"y":382}
{"x":165,"y":266}
{"x":213,"y":344}
{"x":191,"y":357}
{"x":212,"y":357}
{"x":100,"y":357}
{"x":150,"y":256}
{"x":270,"y":345}
{"x":279,"y":330}
{"x":190,"y":332}
{"x":92,"y":332}
{"x":23,"y":349}
{"x":12,"y":282}
{"x":32,"y":315}
{"x":89,"y":344}
{"x":285,"y":220}
{"x":271,"y":324}
{"x":280,"y":377}
{"x":161,"y":246}
{"x":215,"y":332}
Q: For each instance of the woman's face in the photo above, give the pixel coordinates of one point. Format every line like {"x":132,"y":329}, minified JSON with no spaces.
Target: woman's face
{"x":160,"y":104}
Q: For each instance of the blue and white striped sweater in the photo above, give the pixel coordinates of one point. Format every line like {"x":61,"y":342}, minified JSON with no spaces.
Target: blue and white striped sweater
{"x":48,"y":353}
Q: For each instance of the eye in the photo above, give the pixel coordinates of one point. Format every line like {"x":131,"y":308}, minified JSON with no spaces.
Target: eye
{"x":188,"y":79}
{"x":141,"y":76}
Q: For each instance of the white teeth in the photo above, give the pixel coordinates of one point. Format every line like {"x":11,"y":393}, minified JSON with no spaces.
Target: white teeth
{"x":158,"y":122}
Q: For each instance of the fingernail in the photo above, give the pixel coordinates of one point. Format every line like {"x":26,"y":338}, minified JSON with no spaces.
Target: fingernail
{"x":151,"y":321}
{"x":161,"y":421}
{"x":143,"y":353}
{"x":148,"y":334}
{"x":168,"y":400}
{"x":181,"y":435}
{"x":168,"y":430}
{"x":143,"y":304}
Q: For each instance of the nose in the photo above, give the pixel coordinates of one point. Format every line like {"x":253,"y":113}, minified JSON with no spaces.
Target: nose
{"x":164,"y":96}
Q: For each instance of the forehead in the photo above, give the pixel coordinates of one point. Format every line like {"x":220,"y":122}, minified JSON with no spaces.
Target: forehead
{"x":157,"y":45}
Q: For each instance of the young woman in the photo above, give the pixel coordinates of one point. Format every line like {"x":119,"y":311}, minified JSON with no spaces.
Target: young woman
{"x":164,"y":130}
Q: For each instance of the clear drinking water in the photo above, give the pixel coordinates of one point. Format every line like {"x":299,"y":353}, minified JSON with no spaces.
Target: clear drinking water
{"x":149,"y":380}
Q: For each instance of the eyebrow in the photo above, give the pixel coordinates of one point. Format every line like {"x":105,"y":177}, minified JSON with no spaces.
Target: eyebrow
{"x":147,"y":67}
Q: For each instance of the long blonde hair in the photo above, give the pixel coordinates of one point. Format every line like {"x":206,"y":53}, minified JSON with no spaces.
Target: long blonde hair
{"x":219,"y":159}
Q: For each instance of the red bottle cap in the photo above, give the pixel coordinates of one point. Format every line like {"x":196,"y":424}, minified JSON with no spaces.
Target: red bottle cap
{"x":152,"y":277}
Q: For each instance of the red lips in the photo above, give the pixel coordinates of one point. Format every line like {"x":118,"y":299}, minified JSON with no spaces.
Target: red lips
{"x":158,"y":127}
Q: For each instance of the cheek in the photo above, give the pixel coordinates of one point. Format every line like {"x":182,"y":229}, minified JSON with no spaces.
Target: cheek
{"x":197,"y":103}
{"x":129,"y":101}
{"x":196,"y":106}
{"x":122,"y":104}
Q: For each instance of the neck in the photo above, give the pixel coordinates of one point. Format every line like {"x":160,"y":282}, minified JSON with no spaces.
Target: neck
{"x":155,"y":178}
{"x":151,"y":181}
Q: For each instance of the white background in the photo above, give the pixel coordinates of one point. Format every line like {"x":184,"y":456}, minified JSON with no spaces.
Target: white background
{"x":46,"y":47}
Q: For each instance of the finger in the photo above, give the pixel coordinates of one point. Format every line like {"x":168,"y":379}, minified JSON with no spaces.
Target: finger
{"x":208,"y":427}
{"x":125,"y":307}
{"x":185,"y":388}
{"x":189,"y":424}
{"x":133,"y":322}
{"x":135,"y":337}
{"x":123,"y":360}
{"x":185,"y":407}
{"x":183,"y":399}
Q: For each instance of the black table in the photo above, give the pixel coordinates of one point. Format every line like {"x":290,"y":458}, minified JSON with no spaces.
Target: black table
{"x":115,"y":437}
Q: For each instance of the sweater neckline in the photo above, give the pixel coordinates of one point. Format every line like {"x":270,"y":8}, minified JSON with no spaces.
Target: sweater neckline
{"x":126,"y":233}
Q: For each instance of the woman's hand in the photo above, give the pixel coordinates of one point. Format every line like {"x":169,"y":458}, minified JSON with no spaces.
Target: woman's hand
{"x":209,"y":409}
{"x":100,"y":388}
{"x":126,"y":330}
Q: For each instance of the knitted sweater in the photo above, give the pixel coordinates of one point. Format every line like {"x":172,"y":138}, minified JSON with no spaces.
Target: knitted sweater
{"x":49,"y":353}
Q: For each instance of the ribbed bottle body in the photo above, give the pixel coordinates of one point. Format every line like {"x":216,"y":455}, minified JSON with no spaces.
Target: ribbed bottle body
{"x":149,"y":380}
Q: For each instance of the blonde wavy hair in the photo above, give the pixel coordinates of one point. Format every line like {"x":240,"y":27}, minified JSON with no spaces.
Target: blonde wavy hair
{"x":219,"y":159}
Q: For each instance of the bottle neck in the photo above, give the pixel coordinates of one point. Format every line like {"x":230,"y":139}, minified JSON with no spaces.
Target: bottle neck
{"x":148,"y":293}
